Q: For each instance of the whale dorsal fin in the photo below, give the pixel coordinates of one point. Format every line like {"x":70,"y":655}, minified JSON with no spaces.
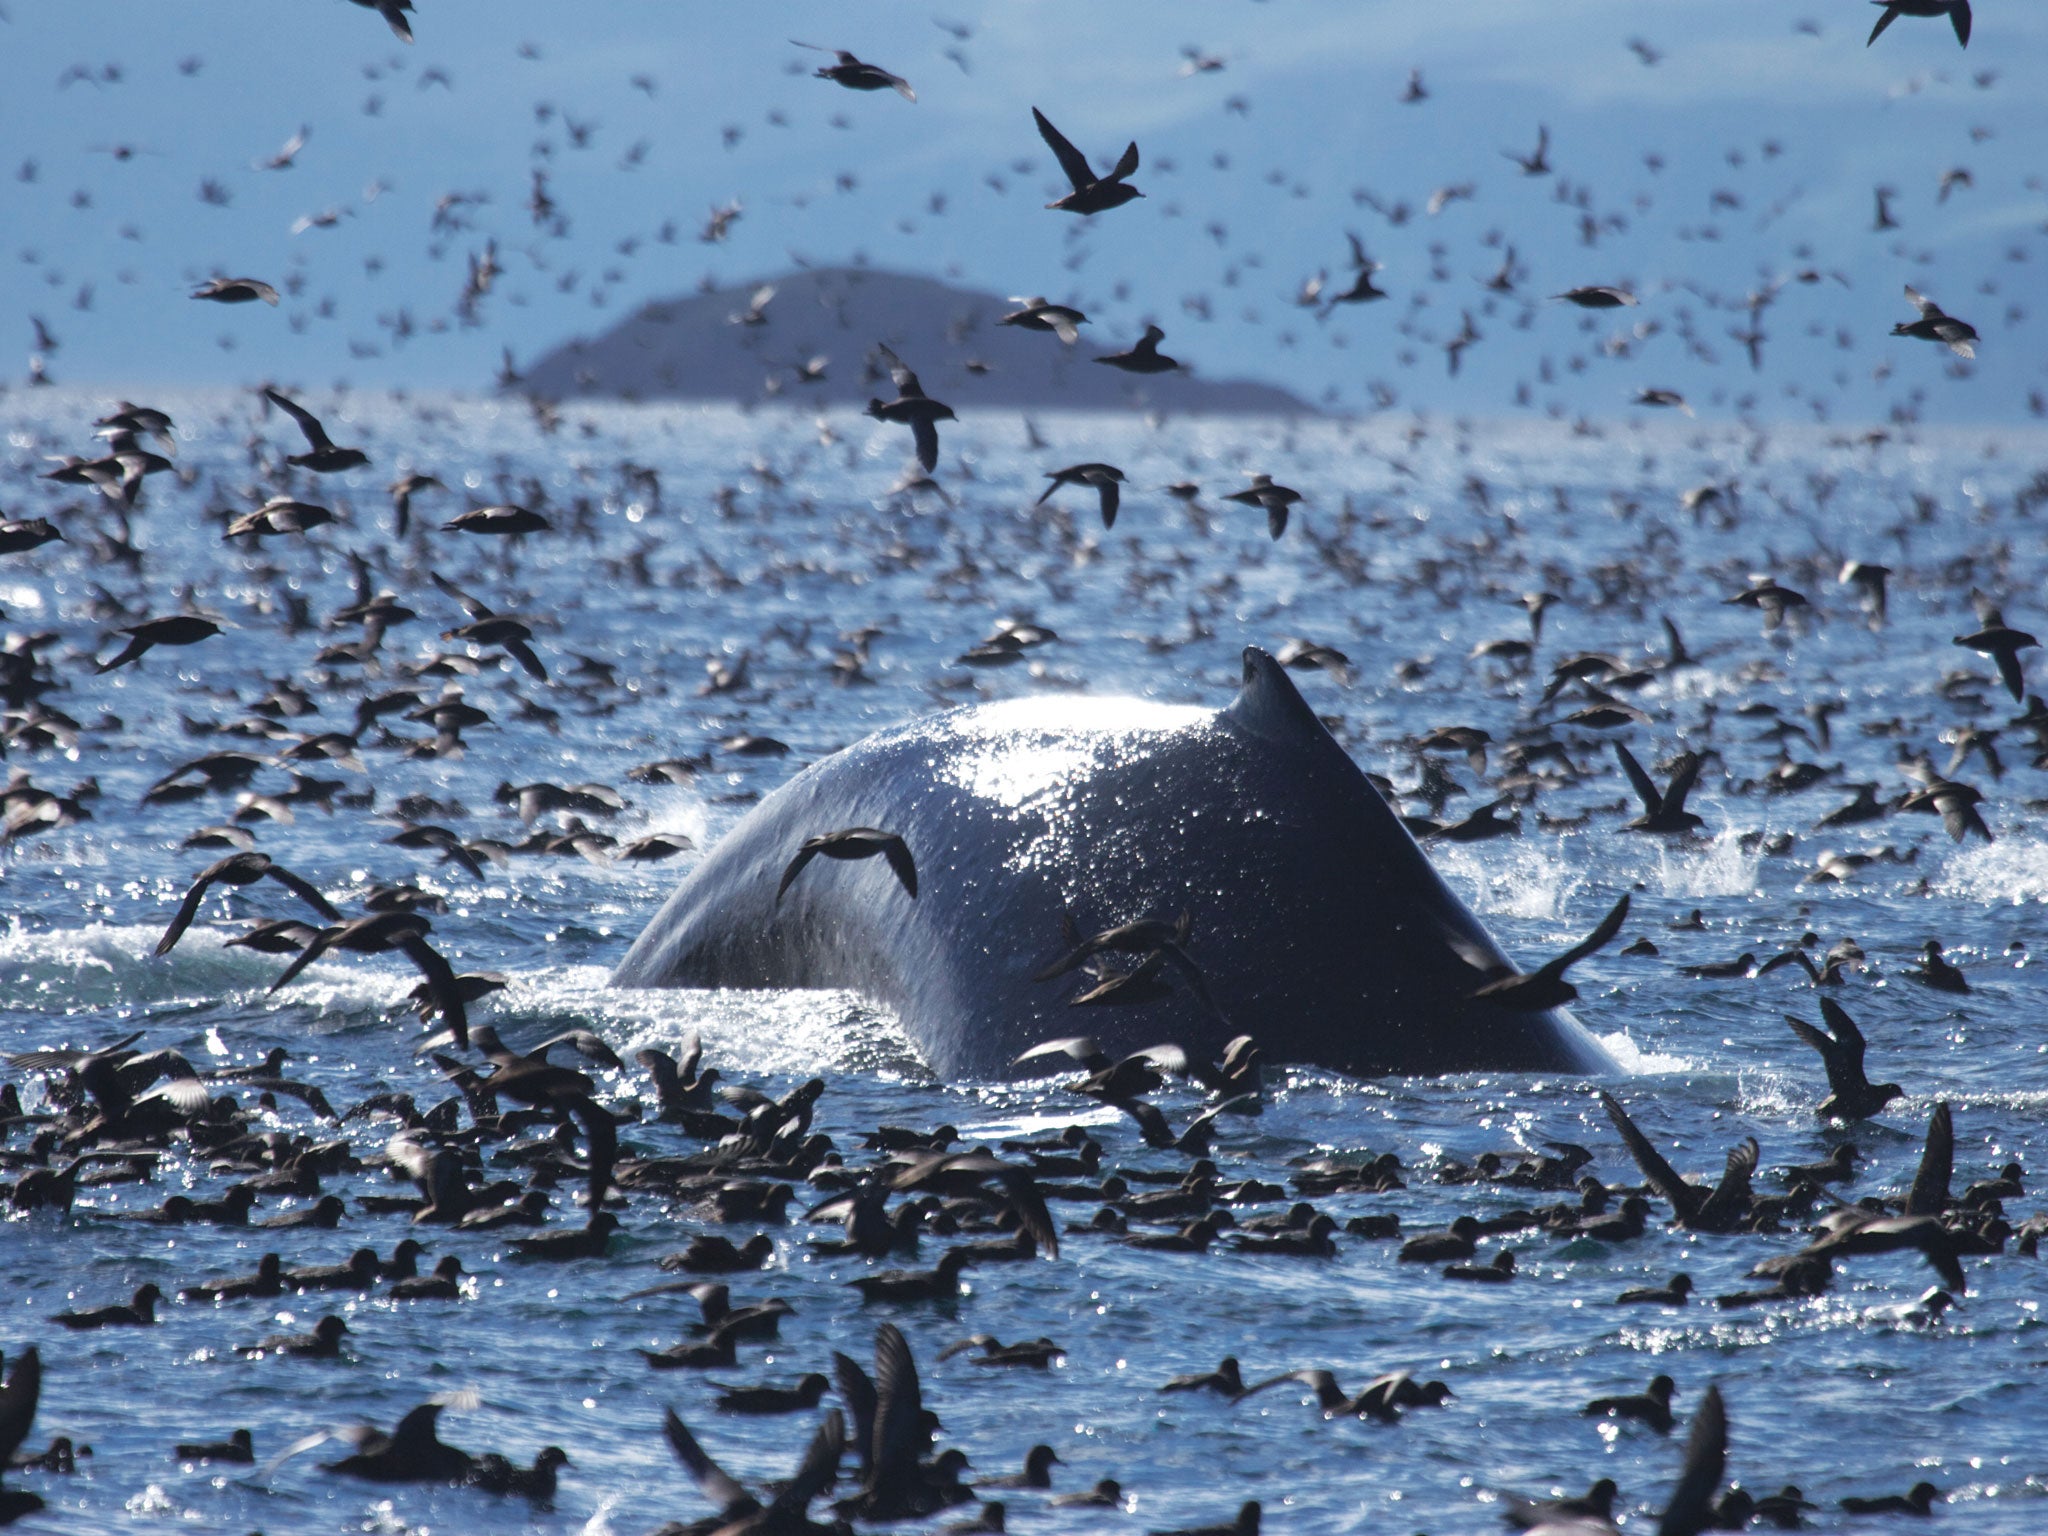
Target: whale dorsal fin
{"x":1269,"y":705}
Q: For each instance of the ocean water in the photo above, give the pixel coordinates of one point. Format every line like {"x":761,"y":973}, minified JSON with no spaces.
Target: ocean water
{"x":687,"y":535}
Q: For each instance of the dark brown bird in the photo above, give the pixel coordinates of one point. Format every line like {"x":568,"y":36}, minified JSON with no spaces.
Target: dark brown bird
{"x":1958,"y":13}
{"x":1544,"y":987}
{"x":236,"y":290}
{"x":1720,"y":1209}
{"x":1651,"y":1407}
{"x":1851,"y":1095}
{"x":239,"y":1447}
{"x":1092,"y":193}
{"x":380,"y":933}
{"x":277,"y":516}
{"x":858,"y":76}
{"x":2003,"y":645}
{"x":1275,"y":500}
{"x":240,"y":869}
{"x":322,"y":456}
{"x":1597,"y":297}
{"x":18,"y":1401}
{"x":1104,"y":479}
{"x":172,"y":629}
{"x":1144,"y":355}
{"x":394,"y":13}
{"x":1035,"y":314}
{"x":403,"y":489}
{"x":854,"y":843}
{"x":913,"y":408}
{"x":488,"y":627}
{"x":740,"y":1513}
{"x":138,"y":1312}
{"x":1663,"y":810}
{"x":499,"y":521}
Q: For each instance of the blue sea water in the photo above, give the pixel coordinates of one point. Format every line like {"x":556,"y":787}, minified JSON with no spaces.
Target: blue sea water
{"x":687,"y":535}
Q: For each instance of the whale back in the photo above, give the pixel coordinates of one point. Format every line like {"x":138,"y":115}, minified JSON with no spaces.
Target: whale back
{"x":1319,"y":925}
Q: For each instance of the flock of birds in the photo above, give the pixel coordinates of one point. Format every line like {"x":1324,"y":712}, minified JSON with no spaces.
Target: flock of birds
{"x":518,"y":248}
{"x":115,"y":1115}
{"x":262,"y":1149}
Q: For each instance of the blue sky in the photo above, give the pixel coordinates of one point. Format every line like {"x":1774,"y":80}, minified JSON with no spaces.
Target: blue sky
{"x":1749,"y":150}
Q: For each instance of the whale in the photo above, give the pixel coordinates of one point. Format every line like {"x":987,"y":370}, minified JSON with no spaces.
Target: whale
{"x":1312,"y":919}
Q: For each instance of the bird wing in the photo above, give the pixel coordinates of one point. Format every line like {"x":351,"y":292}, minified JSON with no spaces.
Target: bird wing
{"x":899,"y":373}
{"x":795,"y":867}
{"x":522,"y":653}
{"x":395,"y":18}
{"x":440,"y":978}
{"x":925,"y":435}
{"x":897,"y":852}
{"x":438,"y":1174}
{"x":1645,"y":788}
{"x":1595,"y":941}
{"x":1731,"y":1196}
{"x":899,"y":1411}
{"x":1322,"y":1383}
{"x":857,"y":1391}
{"x":1685,"y":1200}
{"x":1071,"y":160}
{"x":356,"y":1434}
{"x":305,"y":890}
{"x":1475,"y":956}
{"x":1380,"y":1396}
{"x":1027,"y":1203}
{"x":1929,"y":310}
{"x":187,"y":910}
{"x":1683,"y":777}
{"x":1082,"y":1048}
{"x":309,"y":424}
{"x":1929,"y":1194}
{"x":718,"y":1486}
{"x":1127,"y":164}
{"x":1890,"y":15}
{"x":587,"y":1045}
{"x":1960,"y":17}
{"x":1706,"y":1452}
{"x":1170,"y":1059}
{"x":815,"y":1473}
{"x":692,"y":1054}
{"x":601,"y":1138}
{"x":470,"y":605}
{"x":1831,"y":1056}
{"x":1848,"y":1037}
{"x":184,"y":1094}
{"x":18,"y":1401}
{"x":316,"y":946}
{"x":1152,"y":1124}
{"x":1066,"y":962}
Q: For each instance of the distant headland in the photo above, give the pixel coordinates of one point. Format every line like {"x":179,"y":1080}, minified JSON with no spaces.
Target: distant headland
{"x":732,"y":344}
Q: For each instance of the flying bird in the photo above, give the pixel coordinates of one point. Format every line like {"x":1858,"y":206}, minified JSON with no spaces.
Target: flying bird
{"x":1957,"y":12}
{"x":1935,"y":324}
{"x":912,"y":407}
{"x":236,"y":290}
{"x":322,"y":457}
{"x":1092,"y":193}
{"x":394,"y":14}
{"x":856,"y":75}
{"x":853,"y":843}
